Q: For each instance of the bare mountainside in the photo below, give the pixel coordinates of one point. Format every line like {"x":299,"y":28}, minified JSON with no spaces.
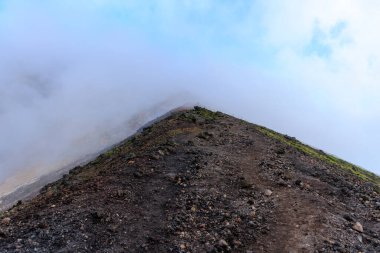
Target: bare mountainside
{"x":199,"y":181}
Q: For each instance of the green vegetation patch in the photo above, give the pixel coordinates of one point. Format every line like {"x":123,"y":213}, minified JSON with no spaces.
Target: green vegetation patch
{"x":356,"y":170}
{"x":206,"y":114}
{"x":119,"y":149}
{"x":200,"y":115}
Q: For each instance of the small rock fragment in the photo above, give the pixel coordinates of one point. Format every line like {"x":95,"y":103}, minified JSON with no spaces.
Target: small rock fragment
{"x":348,"y":217}
{"x":268,"y":192}
{"x":6,"y":221}
{"x":280,"y":151}
{"x":237,"y":243}
{"x":2,"y":234}
{"x":137,"y":174}
{"x":245,"y":184}
{"x":281,"y":182}
{"x":156,"y":157}
{"x":358,"y":227}
{"x":222,"y":243}
{"x":298,"y":182}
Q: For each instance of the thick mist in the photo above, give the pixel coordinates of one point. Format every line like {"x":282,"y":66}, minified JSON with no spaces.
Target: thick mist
{"x":55,"y":109}
{"x":78,"y":76}
{"x":68,"y":91}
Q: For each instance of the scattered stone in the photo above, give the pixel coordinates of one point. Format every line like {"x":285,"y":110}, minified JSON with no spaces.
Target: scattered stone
{"x":306,"y":186}
{"x":222,"y":243}
{"x":280,"y":151}
{"x":97,"y":216}
{"x":268,"y":192}
{"x":2,"y":234}
{"x":245,"y":184}
{"x":329,"y":241}
{"x":156,"y":157}
{"x":209,"y":247}
{"x":348,"y":217}
{"x":205,"y":135}
{"x":358,"y":227}
{"x":42,"y":225}
{"x":172,"y":177}
{"x":162,"y":153}
{"x":298,"y":182}
{"x":237,"y":243}
{"x":289,"y":138}
{"x":6,"y":221}
{"x":137,"y":174}
{"x":120,"y":193}
{"x":281,"y":182}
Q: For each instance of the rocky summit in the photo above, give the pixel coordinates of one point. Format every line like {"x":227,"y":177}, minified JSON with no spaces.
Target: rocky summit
{"x":202,"y":181}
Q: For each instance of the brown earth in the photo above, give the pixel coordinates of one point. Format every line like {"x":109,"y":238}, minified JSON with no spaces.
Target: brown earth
{"x":199,"y":181}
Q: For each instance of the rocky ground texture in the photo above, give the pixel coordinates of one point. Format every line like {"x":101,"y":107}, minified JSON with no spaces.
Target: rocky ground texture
{"x":199,"y":181}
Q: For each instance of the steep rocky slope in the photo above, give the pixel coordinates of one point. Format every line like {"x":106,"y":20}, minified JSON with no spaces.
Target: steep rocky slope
{"x":200,"y":181}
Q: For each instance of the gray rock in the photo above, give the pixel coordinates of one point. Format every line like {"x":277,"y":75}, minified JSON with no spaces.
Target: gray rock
{"x":6,"y":221}
{"x":358,"y":227}
{"x":268,"y":192}
{"x":222,"y":243}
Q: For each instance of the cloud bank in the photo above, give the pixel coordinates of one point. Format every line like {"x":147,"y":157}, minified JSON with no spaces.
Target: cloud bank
{"x":74,"y":74}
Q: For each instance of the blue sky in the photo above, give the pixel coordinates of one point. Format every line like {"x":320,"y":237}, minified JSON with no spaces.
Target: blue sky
{"x":306,"y":68}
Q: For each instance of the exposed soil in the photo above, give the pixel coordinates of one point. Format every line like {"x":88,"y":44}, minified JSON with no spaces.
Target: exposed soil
{"x":199,"y":182}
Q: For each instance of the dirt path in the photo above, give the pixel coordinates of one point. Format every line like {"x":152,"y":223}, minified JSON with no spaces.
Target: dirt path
{"x":294,"y":213}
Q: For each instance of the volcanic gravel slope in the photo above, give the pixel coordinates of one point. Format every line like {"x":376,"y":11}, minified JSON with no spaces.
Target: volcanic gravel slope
{"x":199,"y":181}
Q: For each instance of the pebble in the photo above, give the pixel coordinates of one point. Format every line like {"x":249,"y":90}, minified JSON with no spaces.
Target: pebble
{"x":6,"y":221}
{"x":222,"y":243}
{"x":358,"y":227}
{"x":237,"y":243}
{"x":281,"y":182}
{"x":268,"y":192}
{"x":2,"y":234}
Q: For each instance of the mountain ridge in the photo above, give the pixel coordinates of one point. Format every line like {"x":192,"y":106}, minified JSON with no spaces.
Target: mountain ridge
{"x":201,"y":181}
